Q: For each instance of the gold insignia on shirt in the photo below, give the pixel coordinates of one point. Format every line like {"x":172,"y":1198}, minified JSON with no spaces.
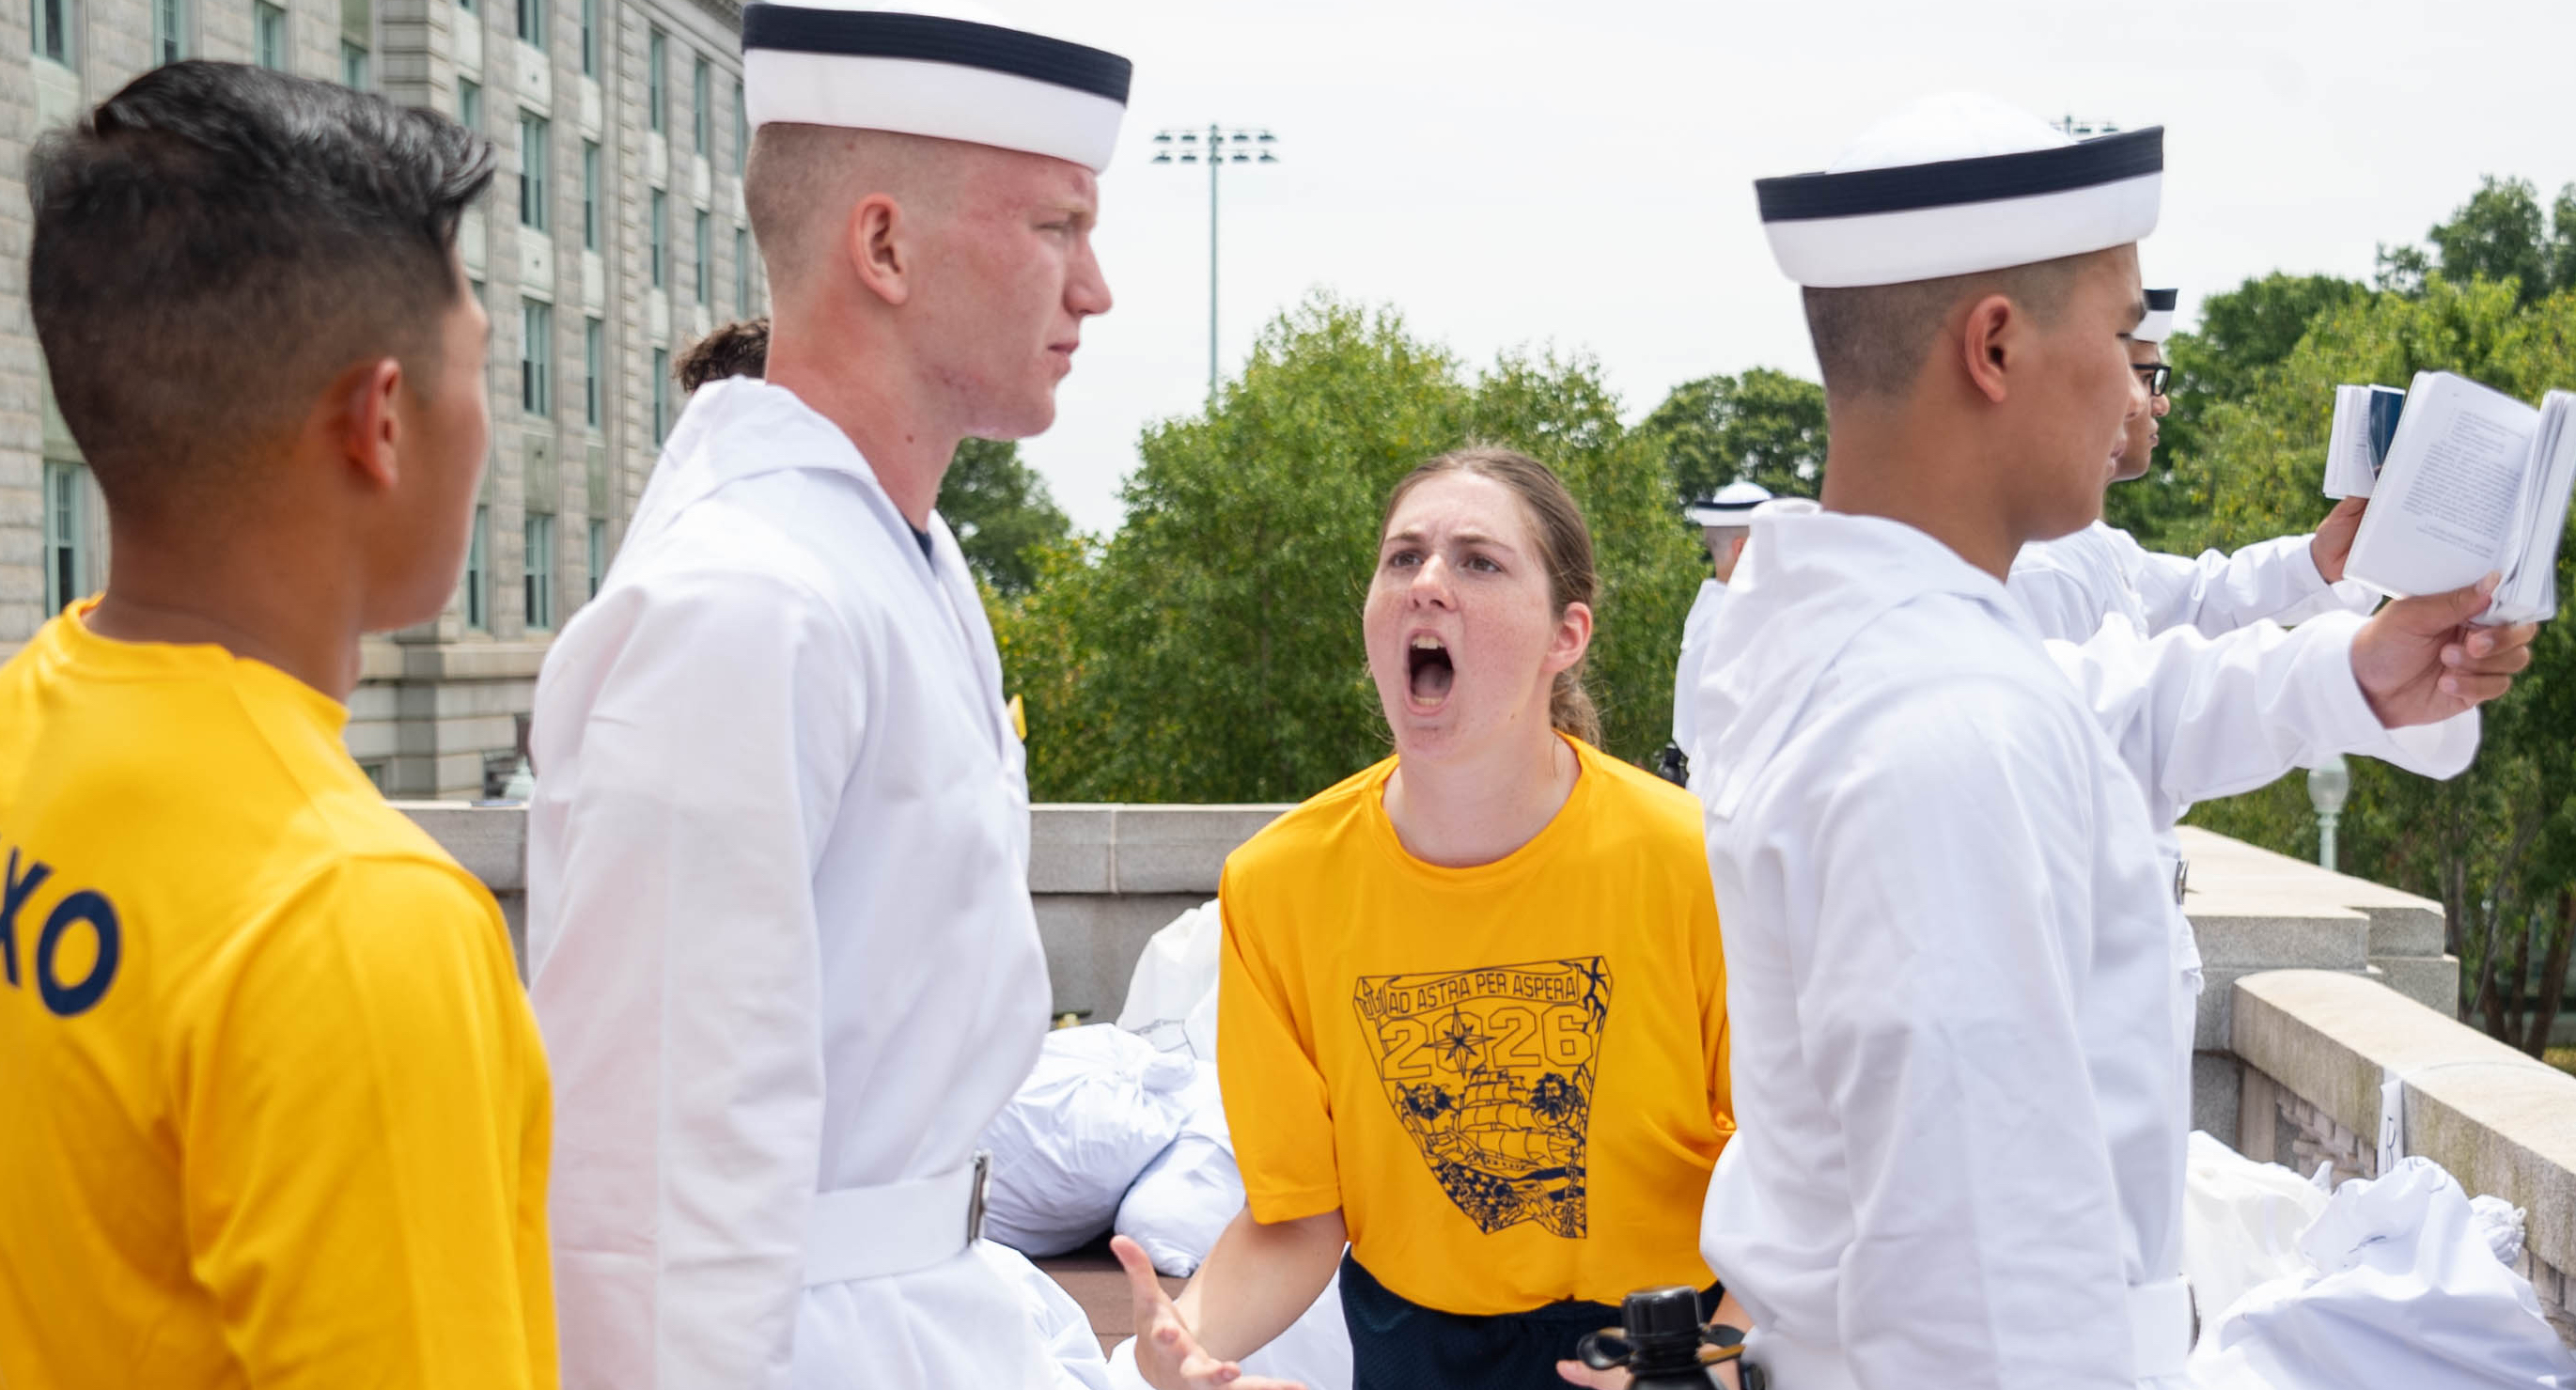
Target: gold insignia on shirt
{"x":1490,"y":1071}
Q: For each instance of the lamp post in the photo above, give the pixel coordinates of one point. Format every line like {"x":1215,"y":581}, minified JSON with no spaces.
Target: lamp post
{"x":1215,"y":146}
{"x":2329,"y":785}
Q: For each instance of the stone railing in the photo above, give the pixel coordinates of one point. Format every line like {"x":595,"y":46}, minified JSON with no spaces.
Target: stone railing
{"x":2319,"y":986}
{"x":2318,"y":1050}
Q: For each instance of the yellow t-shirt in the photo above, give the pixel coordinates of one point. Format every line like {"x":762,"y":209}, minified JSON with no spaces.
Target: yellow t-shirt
{"x":276,"y":1110}
{"x":1511,"y":1079}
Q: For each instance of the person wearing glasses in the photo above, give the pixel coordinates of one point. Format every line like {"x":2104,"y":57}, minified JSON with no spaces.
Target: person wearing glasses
{"x":2069,"y":585}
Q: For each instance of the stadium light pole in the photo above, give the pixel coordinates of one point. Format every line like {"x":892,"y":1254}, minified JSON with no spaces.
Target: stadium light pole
{"x":1216,"y":146}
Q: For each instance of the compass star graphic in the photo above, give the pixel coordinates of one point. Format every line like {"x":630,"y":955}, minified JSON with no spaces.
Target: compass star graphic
{"x":1460,"y":1041}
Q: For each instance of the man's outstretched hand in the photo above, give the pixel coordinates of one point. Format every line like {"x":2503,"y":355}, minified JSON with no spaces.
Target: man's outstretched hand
{"x":2420,"y":661}
{"x":2332,"y":544}
{"x":1168,"y":1355}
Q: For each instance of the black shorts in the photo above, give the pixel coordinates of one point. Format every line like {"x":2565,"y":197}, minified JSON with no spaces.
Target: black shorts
{"x":1397,"y":1344}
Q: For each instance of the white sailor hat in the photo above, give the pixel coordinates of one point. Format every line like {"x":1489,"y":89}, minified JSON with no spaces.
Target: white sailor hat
{"x":941,"y":68}
{"x":2158,"y":324}
{"x":1959,"y":184}
{"x":1732,"y":505}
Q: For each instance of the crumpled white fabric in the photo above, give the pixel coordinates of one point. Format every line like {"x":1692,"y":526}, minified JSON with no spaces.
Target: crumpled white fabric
{"x":2241,"y":1223}
{"x":1061,"y":1325}
{"x":1098,"y":1106}
{"x":1186,"y":1197}
{"x":2402,"y":1287}
{"x":1174,"y":984}
{"x":1314,"y":1352}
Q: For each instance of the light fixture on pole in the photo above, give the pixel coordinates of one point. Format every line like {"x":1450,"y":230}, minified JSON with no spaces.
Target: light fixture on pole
{"x":2329,"y":786}
{"x":1215,"y":146}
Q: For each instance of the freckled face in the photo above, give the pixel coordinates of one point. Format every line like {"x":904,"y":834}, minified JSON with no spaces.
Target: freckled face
{"x":1462,"y":633}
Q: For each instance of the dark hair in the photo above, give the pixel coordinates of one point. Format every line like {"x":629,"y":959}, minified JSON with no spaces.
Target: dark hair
{"x":1564,"y":547}
{"x":1872,"y":340}
{"x":214,"y":243}
{"x":737,"y":349}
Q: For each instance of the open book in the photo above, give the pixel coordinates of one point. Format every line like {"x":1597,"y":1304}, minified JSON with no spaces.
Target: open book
{"x":2473,"y":481}
{"x":2365,"y":424}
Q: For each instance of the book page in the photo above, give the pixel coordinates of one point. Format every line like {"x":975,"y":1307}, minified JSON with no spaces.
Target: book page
{"x":2449,"y":497}
{"x":2529,"y":592}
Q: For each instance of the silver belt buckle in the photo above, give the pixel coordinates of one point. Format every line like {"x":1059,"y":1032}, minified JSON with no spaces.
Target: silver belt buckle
{"x":2182,"y":878}
{"x":975,"y":1199}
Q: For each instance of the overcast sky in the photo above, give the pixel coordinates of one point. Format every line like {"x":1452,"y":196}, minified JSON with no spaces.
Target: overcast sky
{"x":1580,"y":174}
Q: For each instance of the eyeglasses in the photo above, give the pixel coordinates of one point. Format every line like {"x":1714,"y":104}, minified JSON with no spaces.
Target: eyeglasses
{"x":2158,"y":375}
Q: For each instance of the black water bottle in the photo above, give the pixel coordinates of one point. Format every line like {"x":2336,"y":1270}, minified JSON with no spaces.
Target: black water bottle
{"x":1661,"y":1342}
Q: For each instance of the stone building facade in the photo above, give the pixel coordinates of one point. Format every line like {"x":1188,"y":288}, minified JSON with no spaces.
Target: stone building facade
{"x":614,"y":236}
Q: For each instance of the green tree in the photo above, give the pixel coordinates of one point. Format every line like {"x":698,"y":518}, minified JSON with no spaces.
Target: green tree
{"x":2501,"y":233}
{"x":1211,"y":650}
{"x":1765,"y":426}
{"x":2496,"y":846}
{"x":1002,"y":513}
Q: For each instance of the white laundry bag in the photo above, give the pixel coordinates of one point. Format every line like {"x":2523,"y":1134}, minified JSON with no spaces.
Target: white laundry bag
{"x":2402,"y":1287}
{"x":1062,"y":1327}
{"x":1175,"y":977}
{"x":1186,"y":1197}
{"x":1314,"y":1352}
{"x":2240,"y":1223}
{"x":1098,"y":1106}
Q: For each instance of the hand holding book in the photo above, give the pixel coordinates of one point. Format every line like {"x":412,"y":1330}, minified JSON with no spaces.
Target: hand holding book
{"x":2423,"y":660}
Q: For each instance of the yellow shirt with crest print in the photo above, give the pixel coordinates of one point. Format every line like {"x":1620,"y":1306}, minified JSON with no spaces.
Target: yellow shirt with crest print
{"x":1511,"y":1079}
{"x":277,"y":1112}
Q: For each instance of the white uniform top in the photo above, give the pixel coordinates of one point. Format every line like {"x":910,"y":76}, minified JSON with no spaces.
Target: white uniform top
{"x":1686,"y":672}
{"x":2069,"y":585}
{"x":778,"y":920}
{"x":1951,"y":974}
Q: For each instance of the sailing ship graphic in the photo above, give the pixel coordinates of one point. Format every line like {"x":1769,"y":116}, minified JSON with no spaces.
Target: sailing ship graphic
{"x":1490,"y":1071}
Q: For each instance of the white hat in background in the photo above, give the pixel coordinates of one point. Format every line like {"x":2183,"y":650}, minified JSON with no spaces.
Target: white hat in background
{"x":2158,"y":324}
{"x":1732,"y":505}
{"x":940,"y":68}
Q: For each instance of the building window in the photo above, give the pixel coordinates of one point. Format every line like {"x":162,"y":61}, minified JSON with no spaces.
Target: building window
{"x":590,"y":38}
{"x":741,"y":273}
{"x":741,"y":131}
{"x":660,"y":232}
{"x":539,"y":573}
{"x":169,"y":31}
{"x":478,"y":571}
{"x":589,"y":195}
{"x":468,"y":6}
{"x":706,"y":257}
{"x":702,"y":103}
{"x":657,"y":99}
{"x":537,"y":358}
{"x":594,"y":361}
{"x":598,"y":554}
{"x":353,"y":65}
{"x":66,"y":535}
{"x":532,"y":23}
{"x":268,"y":34}
{"x":533,"y":158}
{"x":52,"y":30}
{"x":469,"y":105}
{"x":377,"y":770}
{"x":661,"y":394}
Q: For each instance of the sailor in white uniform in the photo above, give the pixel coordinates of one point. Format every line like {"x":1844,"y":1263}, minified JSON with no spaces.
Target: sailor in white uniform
{"x":2068,"y":585}
{"x":1724,"y":519}
{"x":1950,"y":967}
{"x":779,"y":926}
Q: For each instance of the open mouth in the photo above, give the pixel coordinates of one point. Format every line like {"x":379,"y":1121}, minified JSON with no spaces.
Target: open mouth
{"x":1428,"y":672}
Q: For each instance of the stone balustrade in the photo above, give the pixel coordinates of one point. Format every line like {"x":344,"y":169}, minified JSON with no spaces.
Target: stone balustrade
{"x":2319,"y":986}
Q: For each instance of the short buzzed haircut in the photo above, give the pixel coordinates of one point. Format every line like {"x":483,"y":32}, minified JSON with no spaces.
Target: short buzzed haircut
{"x":1872,"y":340}
{"x":215,"y":243}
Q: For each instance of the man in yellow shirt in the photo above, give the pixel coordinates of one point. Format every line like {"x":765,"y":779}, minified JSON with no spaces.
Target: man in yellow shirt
{"x":276,"y":1112}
